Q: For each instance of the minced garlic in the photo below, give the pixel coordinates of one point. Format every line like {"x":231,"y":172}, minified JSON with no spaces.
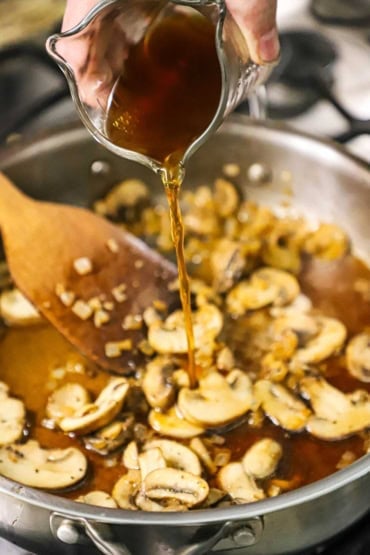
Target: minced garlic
{"x":82,"y":310}
{"x":83,"y":265}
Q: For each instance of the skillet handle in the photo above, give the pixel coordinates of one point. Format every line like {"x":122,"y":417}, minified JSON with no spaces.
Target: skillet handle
{"x":73,"y":531}
{"x":107,"y":548}
{"x":232,"y":535}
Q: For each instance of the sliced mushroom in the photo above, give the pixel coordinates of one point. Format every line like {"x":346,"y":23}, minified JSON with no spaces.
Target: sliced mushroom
{"x":130,"y":457}
{"x":227,"y":264}
{"x":33,"y":466}
{"x":126,"y":489}
{"x":16,"y":310}
{"x":98,"y":498}
{"x":93,"y":416}
{"x":262,"y":459}
{"x":225,"y":359}
{"x":201,"y":450}
{"x":170,"y":483}
{"x":281,"y":406}
{"x":145,"y":504}
{"x":158,"y":384}
{"x":124,"y":199}
{"x":226,"y":198}
{"x":254,"y":220}
{"x":328,"y":242}
{"x":327,"y":342}
{"x":283,"y":245}
{"x":266,"y":286}
{"x":358,"y":357}
{"x":214,"y":497}
{"x":202,"y":218}
{"x":172,"y":425}
{"x":66,"y":401}
{"x":168,"y":505}
{"x":12,"y":417}
{"x":176,"y":455}
{"x":111,"y":437}
{"x":337,"y":415}
{"x":238,"y":484}
{"x":301,"y":305}
{"x":150,"y":460}
{"x":217,"y":400}
{"x":170,"y":336}
{"x":304,"y":326}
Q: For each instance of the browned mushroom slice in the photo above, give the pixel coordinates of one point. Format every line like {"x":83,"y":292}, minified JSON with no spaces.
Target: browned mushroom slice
{"x":214,"y":497}
{"x":12,"y":417}
{"x":66,"y":401}
{"x":217,"y":400}
{"x":202,"y":218}
{"x":227,"y":263}
{"x":262,"y":459}
{"x":328,"y":242}
{"x":304,"y":326}
{"x":301,"y":305}
{"x":176,"y":455}
{"x":170,"y":336}
{"x":158,"y":384}
{"x":282,"y":248}
{"x":172,"y":425}
{"x":238,"y":484}
{"x":358,"y":357}
{"x":337,"y":415}
{"x":226,"y":198}
{"x":329,"y":340}
{"x":266,"y":286}
{"x":98,"y":498}
{"x":111,"y":437}
{"x":33,"y":466}
{"x":170,"y":483}
{"x":279,"y":404}
{"x":93,"y":416}
{"x":16,"y":310}
{"x":126,"y":489}
{"x":130,"y":457}
{"x":150,"y":460}
{"x":168,"y":505}
{"x":201,"y":450}
{"x":125,"y":198}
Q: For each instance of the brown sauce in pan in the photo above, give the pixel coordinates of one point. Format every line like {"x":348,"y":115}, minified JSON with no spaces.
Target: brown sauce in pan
{"x":27,"y":356}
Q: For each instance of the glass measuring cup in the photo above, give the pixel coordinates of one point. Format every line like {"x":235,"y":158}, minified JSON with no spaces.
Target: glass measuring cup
{"x":92,"y":56}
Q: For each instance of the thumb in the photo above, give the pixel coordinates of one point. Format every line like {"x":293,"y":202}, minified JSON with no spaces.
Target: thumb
{"x":257,"y":21}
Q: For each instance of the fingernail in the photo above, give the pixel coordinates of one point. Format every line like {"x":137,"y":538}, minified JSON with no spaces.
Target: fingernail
{"x":268,"y":46}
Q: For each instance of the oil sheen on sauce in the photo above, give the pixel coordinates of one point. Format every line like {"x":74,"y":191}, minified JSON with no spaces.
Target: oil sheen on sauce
{"x":164,"y":100}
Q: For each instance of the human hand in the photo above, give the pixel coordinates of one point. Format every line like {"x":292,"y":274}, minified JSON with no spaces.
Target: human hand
{"x":256,"y":19}
{"x":94,"y":63}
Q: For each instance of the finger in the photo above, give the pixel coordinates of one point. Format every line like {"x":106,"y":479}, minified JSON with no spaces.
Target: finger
{"x":257,"y":21}
{"x":75,"y":11}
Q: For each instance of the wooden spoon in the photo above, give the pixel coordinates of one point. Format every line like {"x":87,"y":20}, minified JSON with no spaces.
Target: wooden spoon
{"x":42,"y":241}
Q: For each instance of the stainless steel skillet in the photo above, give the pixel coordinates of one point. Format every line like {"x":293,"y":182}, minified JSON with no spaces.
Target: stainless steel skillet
{"x":328,"y":184}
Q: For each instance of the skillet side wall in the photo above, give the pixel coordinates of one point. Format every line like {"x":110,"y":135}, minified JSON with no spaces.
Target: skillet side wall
{"x":287,"y":531}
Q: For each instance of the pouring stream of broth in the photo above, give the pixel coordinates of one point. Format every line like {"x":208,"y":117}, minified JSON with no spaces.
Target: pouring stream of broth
{"x":165,"y":99}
